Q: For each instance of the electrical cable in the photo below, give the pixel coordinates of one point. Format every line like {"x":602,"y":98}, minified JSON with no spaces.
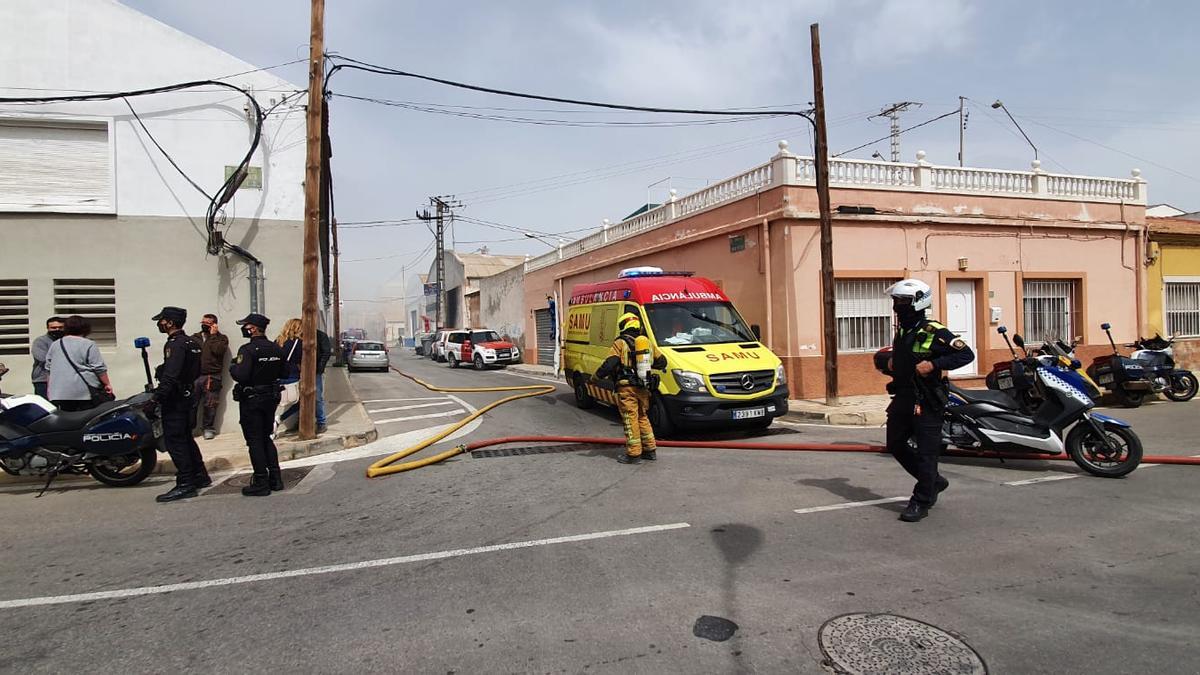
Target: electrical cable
{"x":164,"y":152}
{"x":1116,"y":150}
{"x":902,"y":131}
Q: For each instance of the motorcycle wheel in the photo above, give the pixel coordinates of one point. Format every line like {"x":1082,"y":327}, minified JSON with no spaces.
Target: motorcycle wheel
{"x":1183,"y":387}
{"x":129,"y":474}
{"x":1130,"y":398}
{"x":1089,"y":451}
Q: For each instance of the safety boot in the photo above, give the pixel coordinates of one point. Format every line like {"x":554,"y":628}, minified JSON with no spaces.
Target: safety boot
{"x":275,"y":480}
{"x":259,"y":486}
{"x":914,"y":512}
{"x":625,"y":458}
{"x":650,"y":455}
{"x":176,"y":493}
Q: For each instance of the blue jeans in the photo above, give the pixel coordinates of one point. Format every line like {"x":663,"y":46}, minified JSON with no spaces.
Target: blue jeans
{"x":320,"y":399}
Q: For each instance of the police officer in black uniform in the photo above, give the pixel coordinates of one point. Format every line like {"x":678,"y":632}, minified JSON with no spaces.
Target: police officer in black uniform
{"x":256,"y":369}
{"x":179,"y":369}
{"x":922,"y":351}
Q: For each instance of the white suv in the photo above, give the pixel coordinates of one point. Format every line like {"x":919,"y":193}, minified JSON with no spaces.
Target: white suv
{"x":481,"y":348}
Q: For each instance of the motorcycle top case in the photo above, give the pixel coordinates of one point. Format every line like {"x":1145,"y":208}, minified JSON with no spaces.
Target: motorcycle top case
{"x":117,"y":435}
{"x":1110,"y":370}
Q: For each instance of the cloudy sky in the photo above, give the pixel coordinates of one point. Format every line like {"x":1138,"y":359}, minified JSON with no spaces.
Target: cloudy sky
{"x":1101,"y":86}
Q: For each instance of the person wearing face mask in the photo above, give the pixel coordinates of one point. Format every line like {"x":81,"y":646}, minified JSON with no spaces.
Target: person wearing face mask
{"x":923,"y":350}
{"x":176,"y":375}
{"x":213,"y":347}
{"x":39,"y":349}
{"x":256,"y":369}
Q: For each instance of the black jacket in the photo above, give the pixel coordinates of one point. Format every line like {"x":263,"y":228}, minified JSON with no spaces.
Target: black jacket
{"x":258,"y":363}
{"x":179,"y":369}
{"x":925,"y":340}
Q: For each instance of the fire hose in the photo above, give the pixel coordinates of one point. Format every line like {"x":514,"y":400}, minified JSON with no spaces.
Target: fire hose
{"x":388,"y":465}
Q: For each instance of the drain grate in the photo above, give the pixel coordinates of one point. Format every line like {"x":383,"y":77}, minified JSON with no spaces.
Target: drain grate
{"x":887,"y":643}
{"x":234,"y":485}
{"x":539,"y":450}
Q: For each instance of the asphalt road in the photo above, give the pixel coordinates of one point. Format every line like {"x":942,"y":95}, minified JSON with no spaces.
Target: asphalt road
{"x":569,"y":562}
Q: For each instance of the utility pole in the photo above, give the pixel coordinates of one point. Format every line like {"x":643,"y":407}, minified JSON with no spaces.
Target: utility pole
{"x":437,"y":255}
{"x":337,"y":298}
{"x":440,"y":252}
{"x":822,"y":167}
{"x":892,"y":112}
{"x":962,"y":127}
{"x":312,"y":209}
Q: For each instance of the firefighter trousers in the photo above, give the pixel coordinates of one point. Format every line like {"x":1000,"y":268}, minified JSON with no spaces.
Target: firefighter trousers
{"x":634,"y":404}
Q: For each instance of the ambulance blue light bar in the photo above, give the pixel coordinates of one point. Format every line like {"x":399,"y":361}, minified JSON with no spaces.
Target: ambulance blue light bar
{"x":634,"y":272}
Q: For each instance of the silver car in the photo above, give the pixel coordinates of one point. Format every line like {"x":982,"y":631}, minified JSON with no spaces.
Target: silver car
{"x":368,"y":355}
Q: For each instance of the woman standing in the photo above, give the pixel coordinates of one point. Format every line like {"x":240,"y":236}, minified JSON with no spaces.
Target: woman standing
{"x":293,"y":350}
{"x":78,"y":376}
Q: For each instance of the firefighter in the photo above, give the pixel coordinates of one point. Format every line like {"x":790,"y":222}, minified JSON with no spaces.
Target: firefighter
{"x":629,"y":365}
{"x":922,"y":352}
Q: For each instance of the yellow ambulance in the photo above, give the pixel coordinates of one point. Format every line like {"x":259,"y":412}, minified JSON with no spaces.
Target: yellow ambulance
{"x":718,"y":375}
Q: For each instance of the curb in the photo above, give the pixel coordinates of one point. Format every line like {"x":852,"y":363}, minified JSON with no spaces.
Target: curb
{"x":871,"y":418}
{"x":288,"y":450}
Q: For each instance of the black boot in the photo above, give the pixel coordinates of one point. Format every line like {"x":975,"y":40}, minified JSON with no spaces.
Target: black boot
{"x":180,"y":491}
{"x":625,"y":458}
{"x":259,"y":487}
{"x":914,"y":512}
{"x":275,"y":479}
{"x":650,"y":455}
{"x":203,"y":481}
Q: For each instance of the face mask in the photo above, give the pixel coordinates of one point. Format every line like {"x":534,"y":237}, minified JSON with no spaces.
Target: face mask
{"x":55,"y":334}
{"x":206,"y":329}
{"x":905,"y":311}
{"x":246,"y":332}
{"x":162,"y":327}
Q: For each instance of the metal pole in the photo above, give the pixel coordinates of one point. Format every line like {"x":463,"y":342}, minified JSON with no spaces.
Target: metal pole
{"x":441,"y":258}
{"x":822,"y":168}
{"x":337,"y":297}
{"x":312,"y":208}
{"x":961,"y":129}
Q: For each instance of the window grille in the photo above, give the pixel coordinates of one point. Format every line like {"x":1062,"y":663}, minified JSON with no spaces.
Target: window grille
{"x":14,"y":316}
{"x":1049,"y":310}
{"x":1182,"y":307}
{"x":864,"y":314}
{"x":93,"y":299}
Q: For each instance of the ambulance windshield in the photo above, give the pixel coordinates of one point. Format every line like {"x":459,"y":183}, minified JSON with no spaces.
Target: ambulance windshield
{"x":696,"y":323}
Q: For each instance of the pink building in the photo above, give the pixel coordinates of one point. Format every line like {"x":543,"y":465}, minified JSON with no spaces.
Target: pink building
{"x":1044,"y":254}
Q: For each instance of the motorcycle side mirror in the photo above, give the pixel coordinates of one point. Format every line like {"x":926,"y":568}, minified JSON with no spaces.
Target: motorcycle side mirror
{"x":1105,"y":326}
{"x":1002,"y":330}
{"x":1019,"y":341}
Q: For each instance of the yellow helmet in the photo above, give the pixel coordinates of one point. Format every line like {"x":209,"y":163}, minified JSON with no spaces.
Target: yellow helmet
{"x":628,"y":321}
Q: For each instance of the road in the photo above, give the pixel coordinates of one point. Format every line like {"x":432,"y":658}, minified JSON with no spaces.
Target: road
{"x":566,"y":561}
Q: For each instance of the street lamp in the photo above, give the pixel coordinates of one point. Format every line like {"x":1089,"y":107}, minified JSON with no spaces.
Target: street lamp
{"x":1000,"y":104}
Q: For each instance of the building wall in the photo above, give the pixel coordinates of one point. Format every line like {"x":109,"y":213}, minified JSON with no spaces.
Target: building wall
{"x":1175,"y":258}
{"x":775,"y":281}
{"x":502,"y":304}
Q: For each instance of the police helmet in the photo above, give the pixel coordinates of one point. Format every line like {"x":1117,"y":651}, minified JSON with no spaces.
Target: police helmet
{"x":914,"y":290}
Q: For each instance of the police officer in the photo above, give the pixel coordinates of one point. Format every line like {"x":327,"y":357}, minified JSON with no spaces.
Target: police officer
{"x":633,"y":390}
{"x":179,"y":369}
{"x":922,"y":352}
{"x":256,"y":369}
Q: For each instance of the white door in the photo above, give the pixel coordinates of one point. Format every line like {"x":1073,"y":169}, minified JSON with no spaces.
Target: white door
{"x":960,"y":317}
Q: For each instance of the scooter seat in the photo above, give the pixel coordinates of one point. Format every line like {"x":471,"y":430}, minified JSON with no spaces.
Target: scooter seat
{"x":997,"y":398}
{"x":61,"y":420}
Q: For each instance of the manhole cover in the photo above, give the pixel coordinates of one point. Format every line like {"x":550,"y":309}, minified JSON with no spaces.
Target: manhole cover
{"x":886,"y":643}
{"x":234,"y":484}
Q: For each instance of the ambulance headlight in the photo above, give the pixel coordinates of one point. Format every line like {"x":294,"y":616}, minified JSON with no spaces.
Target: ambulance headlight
{"x":689,"y":381}
{"x":780,"y":375}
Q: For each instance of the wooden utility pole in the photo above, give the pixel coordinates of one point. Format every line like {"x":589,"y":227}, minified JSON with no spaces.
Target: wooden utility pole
{"x":312,"y":214}
{"x":336,"y":338}
{"x":822,"y":167}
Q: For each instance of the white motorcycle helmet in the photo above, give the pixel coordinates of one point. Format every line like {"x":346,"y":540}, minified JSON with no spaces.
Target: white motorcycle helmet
{"x":913,"y":289}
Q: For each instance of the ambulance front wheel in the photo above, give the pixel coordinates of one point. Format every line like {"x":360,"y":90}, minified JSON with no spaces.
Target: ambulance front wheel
{"x":659,"y":419}
{"x":582,"y":398}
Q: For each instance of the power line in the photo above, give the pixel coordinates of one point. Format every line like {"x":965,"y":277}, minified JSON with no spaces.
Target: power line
{"x":1118,"y":151}
{"x":164,"y":152}
{"x":902,"y":131}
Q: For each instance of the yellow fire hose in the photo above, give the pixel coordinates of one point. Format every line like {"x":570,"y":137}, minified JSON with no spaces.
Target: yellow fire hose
{"x":388,"y":466}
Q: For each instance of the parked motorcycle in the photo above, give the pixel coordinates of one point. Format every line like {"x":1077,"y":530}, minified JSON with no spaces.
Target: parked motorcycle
{"x":1157,"y":356}
{"x":986,"y":420}
{"x":1124,"y":376}
{"x":1015,"y":379}
{"x":115,"y":443}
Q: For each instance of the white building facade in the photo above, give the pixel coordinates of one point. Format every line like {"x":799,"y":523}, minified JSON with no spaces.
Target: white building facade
{"x":95,"y":220}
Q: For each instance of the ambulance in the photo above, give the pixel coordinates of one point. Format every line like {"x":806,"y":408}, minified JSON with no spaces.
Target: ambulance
{"x":718,"y":374}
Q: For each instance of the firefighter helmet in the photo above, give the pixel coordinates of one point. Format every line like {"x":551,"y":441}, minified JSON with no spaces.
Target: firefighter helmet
{"x":628,"y":321}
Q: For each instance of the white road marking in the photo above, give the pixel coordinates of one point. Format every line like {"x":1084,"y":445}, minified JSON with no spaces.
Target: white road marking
{"x":397,"y":400}
{"x":1044,"y":479}
{"x":412,"y":407}
{"x":851,"y":505}
{"x":329,"y":569}
{"x":448,"y":413}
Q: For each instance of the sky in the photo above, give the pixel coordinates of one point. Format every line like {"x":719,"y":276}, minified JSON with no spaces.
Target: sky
{"x":1100,"y":86}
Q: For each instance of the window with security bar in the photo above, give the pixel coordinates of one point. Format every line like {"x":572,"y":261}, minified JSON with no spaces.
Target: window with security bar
{"x":1181,"y":306}
{"x":94,"y":300}
{"x":864,"y":314}
{"x":1050,"y":309}
{"x":14,"y":316}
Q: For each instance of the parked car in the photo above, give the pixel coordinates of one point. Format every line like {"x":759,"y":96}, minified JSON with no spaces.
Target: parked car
{"x":480,"y":348}
{"x":451,"y":346}
{"x":367,"y":354}
{"x":437,"y":347}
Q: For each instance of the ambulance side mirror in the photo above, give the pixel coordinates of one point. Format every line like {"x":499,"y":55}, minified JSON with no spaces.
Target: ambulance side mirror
{"x":754,"y":328}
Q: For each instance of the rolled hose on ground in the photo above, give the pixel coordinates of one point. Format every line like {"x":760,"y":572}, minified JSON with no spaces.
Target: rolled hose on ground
{"x":388,"y":466}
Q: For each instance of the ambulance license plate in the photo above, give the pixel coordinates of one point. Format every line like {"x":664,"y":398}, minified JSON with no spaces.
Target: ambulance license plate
{"x":749,"y":413}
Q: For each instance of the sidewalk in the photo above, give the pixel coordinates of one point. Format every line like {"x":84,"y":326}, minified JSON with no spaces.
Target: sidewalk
{"x":863,"y":411}
{"x":534,"y":369}
{"x":347,"y":421}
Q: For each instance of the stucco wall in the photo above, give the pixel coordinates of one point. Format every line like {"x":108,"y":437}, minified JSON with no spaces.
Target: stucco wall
{"x":155,"y":262}
{"x":502,"y":304}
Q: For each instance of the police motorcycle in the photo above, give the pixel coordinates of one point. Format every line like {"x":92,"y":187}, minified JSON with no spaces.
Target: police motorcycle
{"x":1157,"y":356}
{"x":1015,"y":379}
{"x":116,"y":443}
{"x":991,"y":421}
{"x":1124,"y":376}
